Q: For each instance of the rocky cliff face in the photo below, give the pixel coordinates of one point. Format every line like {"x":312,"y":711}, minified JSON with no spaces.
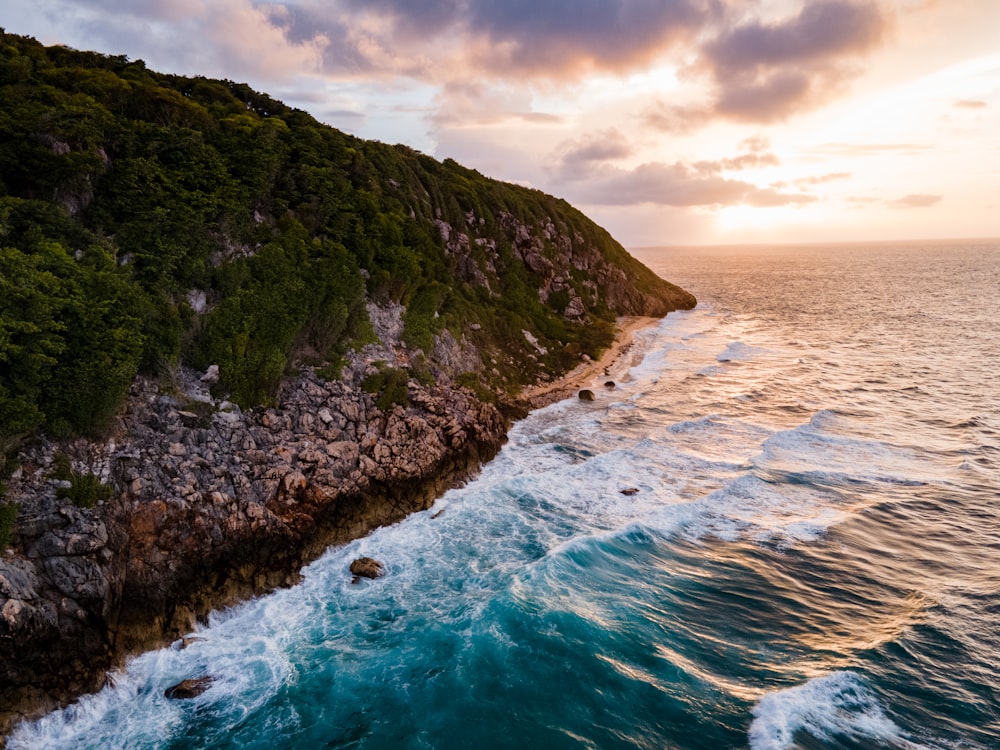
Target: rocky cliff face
{"x":260,"y":243}
{"x":212,"y":505}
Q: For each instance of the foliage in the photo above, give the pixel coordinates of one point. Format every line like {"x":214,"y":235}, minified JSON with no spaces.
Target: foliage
{"x":389,"y":384}
{"x":85,"y":490}
{"x":8,"y":517}
{"x":124,"y":193}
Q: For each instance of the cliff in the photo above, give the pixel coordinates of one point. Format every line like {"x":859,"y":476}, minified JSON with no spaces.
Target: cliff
{"x":231,"y":336}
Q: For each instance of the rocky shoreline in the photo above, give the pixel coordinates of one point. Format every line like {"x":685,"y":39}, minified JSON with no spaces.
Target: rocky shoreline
{"x":212,"y":506}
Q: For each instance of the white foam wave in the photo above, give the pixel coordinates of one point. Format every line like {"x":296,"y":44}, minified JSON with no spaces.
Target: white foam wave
{"x":739,"y":351}
{"x":837,"y":705}
{"x":811,"y":453}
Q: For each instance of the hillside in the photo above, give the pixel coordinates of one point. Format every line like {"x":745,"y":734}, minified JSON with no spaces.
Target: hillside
{"x":149,"y":221}
{"x":231,"y":336}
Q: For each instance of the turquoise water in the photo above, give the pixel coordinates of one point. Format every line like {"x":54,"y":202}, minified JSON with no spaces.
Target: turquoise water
{"x":812,"y":559}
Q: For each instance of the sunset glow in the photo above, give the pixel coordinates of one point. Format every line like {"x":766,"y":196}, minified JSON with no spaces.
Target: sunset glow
{"x":673,"y":122}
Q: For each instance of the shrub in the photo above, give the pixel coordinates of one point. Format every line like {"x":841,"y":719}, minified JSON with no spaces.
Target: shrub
{"x":390,"y":384}
{"x":8,"y":515}
{"x":85,"y":490}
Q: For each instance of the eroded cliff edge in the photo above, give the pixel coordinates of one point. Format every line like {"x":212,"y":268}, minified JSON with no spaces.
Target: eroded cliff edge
{"x":254,"y":336}
{"x":211,"y":505}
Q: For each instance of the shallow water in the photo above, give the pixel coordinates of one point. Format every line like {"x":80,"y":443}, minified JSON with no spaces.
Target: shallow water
{"x":812,"y":558}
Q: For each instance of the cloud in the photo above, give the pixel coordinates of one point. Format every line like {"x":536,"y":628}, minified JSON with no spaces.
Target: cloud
{"x":474,"y":102}
{"x":577,"y":158}
{"x":869,"y":149}
{"x":434,"y":39}
{"x":237,"y":38}
{"x":737,"y":163}
{"x":767,"y":71}
{"x":820,"y":179}
{"x":677,"y":185}
{"x":915,"y":200}
{"x":970,"y":104}
{"x":585,"y":167}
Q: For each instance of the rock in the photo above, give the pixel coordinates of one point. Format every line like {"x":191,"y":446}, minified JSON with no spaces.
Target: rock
{"x":630,"y":491}
{"x":587,"y":395}
{"x":609,"y":384}
{"x":366,"y":567}
{"x":189,"y":688}
{"x":211,"y":375}
{"x":188,"y":640}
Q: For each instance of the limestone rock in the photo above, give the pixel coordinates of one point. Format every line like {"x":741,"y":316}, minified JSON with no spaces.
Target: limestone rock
{"x":187,"y":689}
{"x":367,"y":567}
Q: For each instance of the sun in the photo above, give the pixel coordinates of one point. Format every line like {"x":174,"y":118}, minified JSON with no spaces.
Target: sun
{"x":744,"y":217}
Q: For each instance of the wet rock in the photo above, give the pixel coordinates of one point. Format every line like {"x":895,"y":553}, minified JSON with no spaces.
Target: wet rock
{"x":367,"y":567}
{"x":187,"y":689}
{"x":609,"y":384}
{"x":587,"y":395}
{"x":630,"y":491}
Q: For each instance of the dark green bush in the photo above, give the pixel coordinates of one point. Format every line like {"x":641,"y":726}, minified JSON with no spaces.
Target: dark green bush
{"x":85,"y":490}
{"x":8,"y":517}
{"x":123,"y":190}
{"x":389,"y":385}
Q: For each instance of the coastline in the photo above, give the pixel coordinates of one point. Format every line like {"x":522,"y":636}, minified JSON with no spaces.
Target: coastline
{"x":289,"y":525}
{"x":584,"y":374}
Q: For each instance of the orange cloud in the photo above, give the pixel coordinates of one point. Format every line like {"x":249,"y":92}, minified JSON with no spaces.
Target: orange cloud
{"x":915,"y":200}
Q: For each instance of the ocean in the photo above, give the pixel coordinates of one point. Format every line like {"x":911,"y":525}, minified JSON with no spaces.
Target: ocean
{"x":779,"y":529}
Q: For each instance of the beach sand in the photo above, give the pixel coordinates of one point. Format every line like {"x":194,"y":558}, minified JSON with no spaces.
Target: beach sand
{"x":591,"y":374}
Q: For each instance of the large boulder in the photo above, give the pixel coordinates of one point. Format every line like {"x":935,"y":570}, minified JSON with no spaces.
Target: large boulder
{"x":366,"y":567}
{"x":187,"y":689}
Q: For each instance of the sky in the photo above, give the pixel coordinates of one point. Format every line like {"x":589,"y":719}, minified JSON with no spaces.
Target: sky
{"x":668,"y":122}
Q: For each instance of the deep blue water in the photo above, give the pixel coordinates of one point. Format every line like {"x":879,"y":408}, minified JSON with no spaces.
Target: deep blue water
{"x":812,"y":559}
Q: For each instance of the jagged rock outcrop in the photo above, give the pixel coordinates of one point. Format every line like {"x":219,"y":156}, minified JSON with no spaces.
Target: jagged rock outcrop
{"x":267,"y":244}
{"x":366,"y":567}
{"x":213,"y":506}
{"x":187,"y":689}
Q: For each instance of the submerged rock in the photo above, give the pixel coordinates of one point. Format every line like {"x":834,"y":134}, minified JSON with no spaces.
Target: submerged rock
{"x":366,"y":567}
{"x":187,"y":689}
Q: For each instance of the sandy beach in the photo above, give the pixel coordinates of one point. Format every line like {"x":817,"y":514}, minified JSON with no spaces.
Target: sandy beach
{"x":593,"y":373}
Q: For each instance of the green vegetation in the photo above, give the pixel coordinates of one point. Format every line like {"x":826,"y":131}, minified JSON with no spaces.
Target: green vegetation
{"x":389,"y":384}
{"x":150,"y":220}
{"x":8,"y":515}
{"x":85,"y":490}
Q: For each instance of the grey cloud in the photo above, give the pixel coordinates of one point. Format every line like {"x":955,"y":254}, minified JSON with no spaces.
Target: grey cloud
{"x":915,"y":200}
{"x":430,"y":38}
{"x":577,"y":158}
{"x":822,"y":31}
{"x":768,"y":71}
{"x":562,"y":34}
{"x":677,"y":185}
